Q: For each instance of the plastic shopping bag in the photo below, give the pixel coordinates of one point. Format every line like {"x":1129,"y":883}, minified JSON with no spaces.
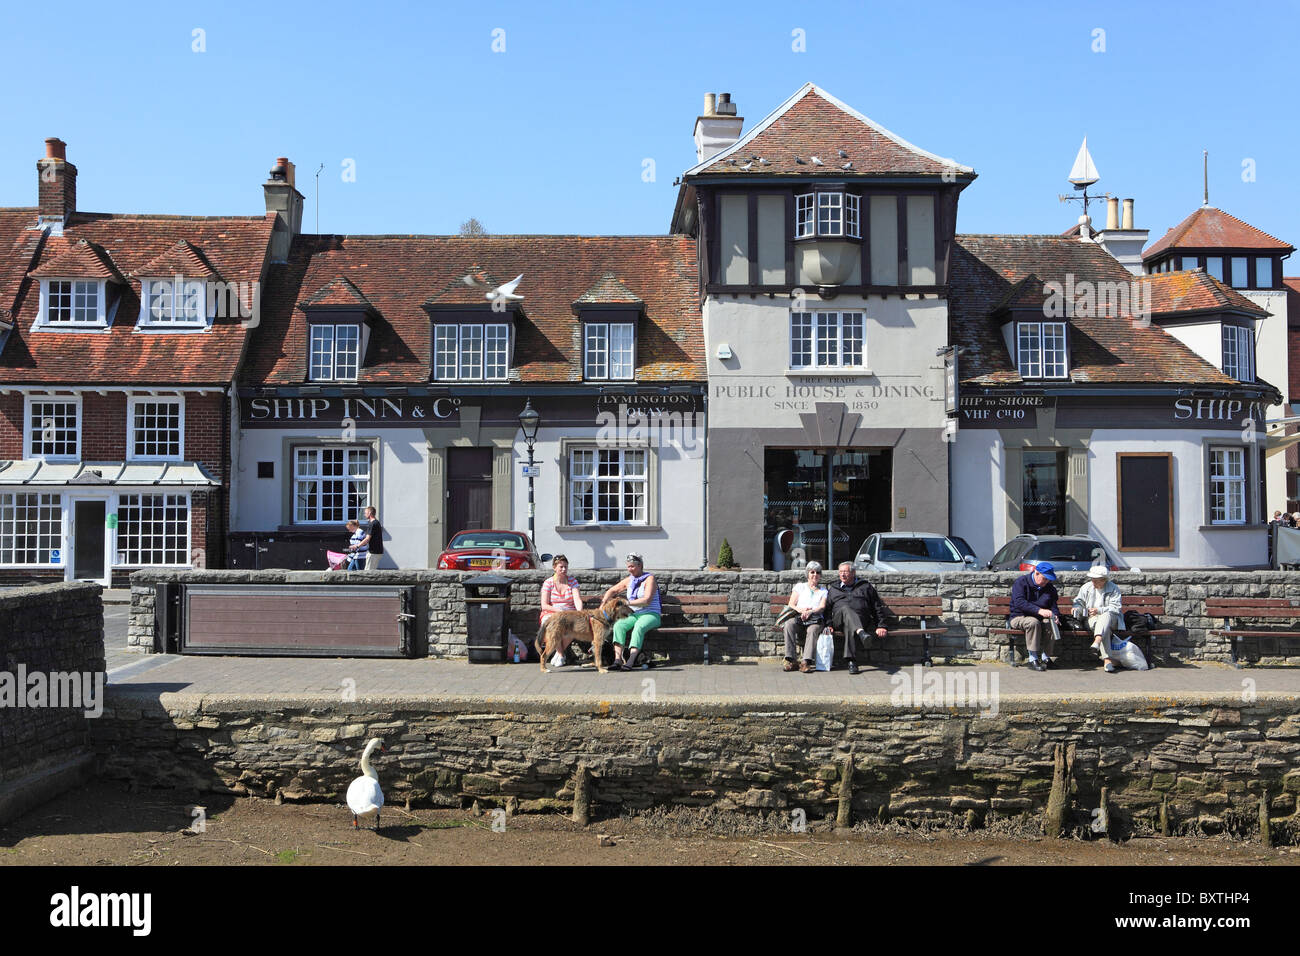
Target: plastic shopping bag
{"x":825,"y":650}
{"x":1127,"y":654}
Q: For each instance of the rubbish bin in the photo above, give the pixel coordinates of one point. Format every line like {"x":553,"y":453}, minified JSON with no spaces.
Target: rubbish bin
{"x":487,"y":618}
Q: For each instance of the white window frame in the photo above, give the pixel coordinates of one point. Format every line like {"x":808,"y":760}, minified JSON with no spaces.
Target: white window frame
{"x":577,"y":478}
{"x":843,"y":215}
{"x":596,"y":363}
{"x":320,"y":373}
{"x":180,"y":292}
{"x":131,"y":405}
{"x":1034,"y":357}
{"x":9,"y":527}
{"x":43,"y":320}
{"x":822,"y":326}
{"x":501,"y":330}
{"x":1243,"y":342}
{"x":122,"y":559}
{"x":28,"y":449}
{"x":315,"y":518}
{"x":1235,"y":491}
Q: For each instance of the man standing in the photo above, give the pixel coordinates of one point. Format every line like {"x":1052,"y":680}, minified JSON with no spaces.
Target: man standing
{"x":374,"y":539}
{"x":1033,"y":609}
{"x":1098,"y":602}
{"x":855,"y":607}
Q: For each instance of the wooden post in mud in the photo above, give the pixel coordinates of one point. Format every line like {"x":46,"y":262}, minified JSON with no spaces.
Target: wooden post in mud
{"x":1058,"y":801}
{"x":582,"y":796}
{"x":844,"y":814}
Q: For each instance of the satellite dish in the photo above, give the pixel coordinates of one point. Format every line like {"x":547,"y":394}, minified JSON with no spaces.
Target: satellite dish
{"x":1083,"y":174}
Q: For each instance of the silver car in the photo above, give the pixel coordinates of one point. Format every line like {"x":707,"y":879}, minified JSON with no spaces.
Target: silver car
{"x":916,"y":552}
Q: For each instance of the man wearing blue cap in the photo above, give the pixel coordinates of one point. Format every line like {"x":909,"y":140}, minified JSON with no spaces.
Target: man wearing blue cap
{"x":1033,"y":609}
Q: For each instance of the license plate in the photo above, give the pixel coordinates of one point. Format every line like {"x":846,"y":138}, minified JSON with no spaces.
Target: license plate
{"x":484,"y":562}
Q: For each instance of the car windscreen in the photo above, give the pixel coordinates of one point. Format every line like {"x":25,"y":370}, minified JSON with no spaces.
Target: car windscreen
{"x":962,"y":546}
{"x":917,"y":549}
{"x":481,"y":539}
{"x":1081,"y":550}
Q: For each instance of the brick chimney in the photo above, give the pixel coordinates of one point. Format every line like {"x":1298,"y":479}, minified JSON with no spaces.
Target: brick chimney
{"x":283,"y":199}
{"x":56,"y":184}
{"x":718,"y":127}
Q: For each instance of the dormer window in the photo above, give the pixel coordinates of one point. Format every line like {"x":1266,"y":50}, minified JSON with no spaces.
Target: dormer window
{"x":73,"y":303}
{"x":1238,"y":353}
{"x":471,"y":351}
{"x":1040,"y":350}
{"x":609,"y":350}
{"x":828,"y":213}
{"x":176,"y":302}
{"x":335,"y":352}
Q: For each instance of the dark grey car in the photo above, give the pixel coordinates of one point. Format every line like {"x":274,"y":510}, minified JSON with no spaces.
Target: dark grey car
{"x":1064,"y":552}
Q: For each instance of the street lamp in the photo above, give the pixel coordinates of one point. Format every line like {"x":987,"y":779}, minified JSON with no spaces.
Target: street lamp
{"x":529,"y":420}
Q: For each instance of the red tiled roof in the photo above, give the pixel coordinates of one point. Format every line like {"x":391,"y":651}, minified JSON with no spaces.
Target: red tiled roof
{"x":235,"y":246}
{"x":82,"y":260}
{"x":181,"y":259}
{"x":814,"y":123}
{"x":1211,"y":228}
{"x":458,"y":291}
{"x":1103,"y":348}
{"x":401,"y":276}
{"x":1194,"y":290}
{"x":608,"y":290}
{"x":337,"y":292}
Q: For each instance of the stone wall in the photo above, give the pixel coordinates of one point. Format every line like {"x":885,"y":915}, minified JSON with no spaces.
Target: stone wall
{"x":964,"y":598}
{"x":51,"y":646}
{"x":1211,"y":759}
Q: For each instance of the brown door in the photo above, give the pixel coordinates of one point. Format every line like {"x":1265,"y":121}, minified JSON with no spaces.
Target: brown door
{"x":469,"y":489}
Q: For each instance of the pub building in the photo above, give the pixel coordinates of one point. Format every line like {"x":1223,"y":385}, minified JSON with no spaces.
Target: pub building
{"x":392,"y":371}
{"x":824,"y":248}
{"x":1095,"y":402}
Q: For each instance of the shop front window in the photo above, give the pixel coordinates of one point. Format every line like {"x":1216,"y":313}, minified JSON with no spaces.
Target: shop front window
{"x":1044,"y":492}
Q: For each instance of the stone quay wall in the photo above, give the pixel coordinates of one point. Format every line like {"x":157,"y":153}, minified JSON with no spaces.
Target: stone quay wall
{"x":964,"y":597}
{"x":1204,"y":763}
{"x":51,"y":648}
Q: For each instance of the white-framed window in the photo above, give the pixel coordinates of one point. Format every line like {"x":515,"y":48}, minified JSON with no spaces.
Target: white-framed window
{"x":331,"y":483}
{"x":73,"y":303}
{"x":334,"y":352}
{"x":471,"y":351}
{"x":608,"y":486}
{"x":153,"y":529}
{"x":827,"y":340}
{"x":53,"y":429}
{"x":175,"y":302}
{"x":828,"y":214}
{"x":31,"y":528}
{"x":1239,"y":353}
{"x":1040,"y":350}
{"x":609,"y":350}
{"x":155,"y":429}
{"x":1227,"y":486}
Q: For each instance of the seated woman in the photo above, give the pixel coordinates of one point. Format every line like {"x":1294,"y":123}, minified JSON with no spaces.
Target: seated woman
{"x":560,"y":593}
{"x":643,"y":598}
{"x":809,"y":599}
{"x":356,"y":550}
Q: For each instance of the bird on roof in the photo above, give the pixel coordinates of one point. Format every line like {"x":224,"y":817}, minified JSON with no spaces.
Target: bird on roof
{"x":817,"y":162}
{"x":503,"y":292}
{"x":848,"y":165}
{"x":843,"y":154}
{"x":801,"y":161}
{"x":764,"y":162}
{"x":747,"y":167}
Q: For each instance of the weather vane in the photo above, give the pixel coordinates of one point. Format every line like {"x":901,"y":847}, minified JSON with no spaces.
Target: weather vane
{"x":1083,"y":174}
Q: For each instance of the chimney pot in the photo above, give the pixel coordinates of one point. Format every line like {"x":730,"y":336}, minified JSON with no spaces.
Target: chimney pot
{"x":56,"y":148}
{"x":56,"y":188}
{"x":710,"y":104}
{"x":1128,"y":214}
{"x":1112,"y":213}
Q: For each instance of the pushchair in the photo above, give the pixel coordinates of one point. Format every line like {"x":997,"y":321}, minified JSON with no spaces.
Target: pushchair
{"x":337,"y":560}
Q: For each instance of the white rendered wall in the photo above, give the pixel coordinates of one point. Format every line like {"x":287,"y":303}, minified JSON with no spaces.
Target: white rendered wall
{"x":978,"y":503}
{"x":1271,"y":365}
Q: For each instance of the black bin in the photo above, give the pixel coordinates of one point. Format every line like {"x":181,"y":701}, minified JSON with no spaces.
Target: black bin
{"x":487,"y":618}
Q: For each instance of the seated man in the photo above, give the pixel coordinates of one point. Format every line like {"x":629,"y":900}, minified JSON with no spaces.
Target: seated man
{"x":1033,"y":610}
{"x":855,"y":607}
{"x":1098,"y":603}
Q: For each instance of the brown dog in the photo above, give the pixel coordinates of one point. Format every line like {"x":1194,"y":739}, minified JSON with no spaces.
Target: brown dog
{"x":586,"y":626}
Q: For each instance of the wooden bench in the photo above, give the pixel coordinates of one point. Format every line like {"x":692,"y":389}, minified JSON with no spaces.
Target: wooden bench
{"x":1275,"y":610}
{"x":1153,"y":604}
{"x":708,"y":606}
{"x":923,"y":609}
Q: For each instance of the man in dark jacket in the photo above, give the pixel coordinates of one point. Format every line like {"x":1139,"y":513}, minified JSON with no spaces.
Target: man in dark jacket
{"x":1033,"y":609}
{"x":855,"y":608}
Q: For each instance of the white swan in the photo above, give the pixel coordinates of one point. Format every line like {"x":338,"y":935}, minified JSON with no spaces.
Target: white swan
{"x":364,"y":795}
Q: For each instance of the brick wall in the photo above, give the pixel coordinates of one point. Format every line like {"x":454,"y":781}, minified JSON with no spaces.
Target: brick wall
{"x":203,"y":416}
{"x":48,"y":630}
{"x":103,"y":427}
{"x":11,"y":426}
{"x":963,"y":596}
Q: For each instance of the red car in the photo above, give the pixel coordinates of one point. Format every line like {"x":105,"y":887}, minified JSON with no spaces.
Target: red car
{"x":488,"y":550}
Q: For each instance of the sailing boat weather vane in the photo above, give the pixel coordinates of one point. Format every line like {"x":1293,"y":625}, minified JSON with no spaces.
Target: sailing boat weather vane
{"x":1083,"y":174}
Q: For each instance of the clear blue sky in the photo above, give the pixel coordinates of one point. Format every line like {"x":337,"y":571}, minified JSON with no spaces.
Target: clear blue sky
{"x":550,"y":135}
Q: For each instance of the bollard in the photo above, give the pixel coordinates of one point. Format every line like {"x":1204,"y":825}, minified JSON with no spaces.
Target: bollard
{"x":582,"y":796}
{"x":844,"y":814}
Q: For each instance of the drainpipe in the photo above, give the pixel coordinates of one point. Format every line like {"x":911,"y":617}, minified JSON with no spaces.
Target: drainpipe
{"x":704,"y":489}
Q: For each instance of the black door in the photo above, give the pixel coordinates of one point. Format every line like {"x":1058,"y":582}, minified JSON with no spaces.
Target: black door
{"x":469,"y":487}
{"x":88,"y":554}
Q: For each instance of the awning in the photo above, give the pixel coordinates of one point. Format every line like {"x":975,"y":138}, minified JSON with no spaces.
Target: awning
{"x":35,"y":471}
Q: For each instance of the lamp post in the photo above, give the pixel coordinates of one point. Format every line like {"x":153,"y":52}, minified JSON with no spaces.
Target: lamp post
{"x":529,"y":420}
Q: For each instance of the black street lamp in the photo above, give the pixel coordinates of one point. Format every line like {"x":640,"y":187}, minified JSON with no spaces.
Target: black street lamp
{"x":530,"y":420}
